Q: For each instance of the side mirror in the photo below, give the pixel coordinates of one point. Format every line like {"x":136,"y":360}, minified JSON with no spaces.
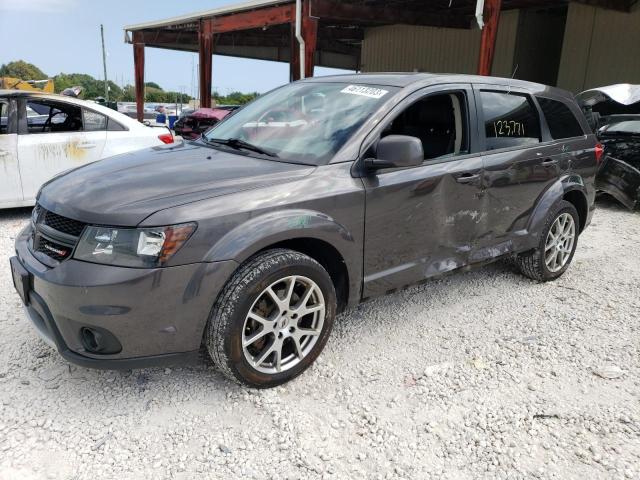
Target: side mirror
{"x":396,"y":151}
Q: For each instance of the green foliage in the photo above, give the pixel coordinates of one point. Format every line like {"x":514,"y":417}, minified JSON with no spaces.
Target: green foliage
{"x":22,"y":70}
{"x":234,"y":98}
{"x":92,"y":88}
{"x":154,"y":95}
{"x":153,"y":85}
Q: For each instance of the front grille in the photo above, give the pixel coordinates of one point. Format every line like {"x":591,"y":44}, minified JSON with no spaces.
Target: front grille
{"x":52,"y":249}
{"x":54,"y":235}
{"x":63,"y":224}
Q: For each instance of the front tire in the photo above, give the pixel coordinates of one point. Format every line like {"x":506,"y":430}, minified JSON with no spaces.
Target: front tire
{"x":272,"y":319}
{"x":557,"y":246}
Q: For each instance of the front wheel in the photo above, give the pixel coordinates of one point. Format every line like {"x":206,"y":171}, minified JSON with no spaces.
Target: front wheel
{"x":272,"y":319}
{"x":557,"y":246}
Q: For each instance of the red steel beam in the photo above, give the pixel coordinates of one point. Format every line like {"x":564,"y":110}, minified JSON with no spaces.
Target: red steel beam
{"x":205,"y":55}
{"x":138,"y":63}
{"x":489,"y":33}
{"x":310,"y":35}
{"x":264,"y":17}
{"x":383,"y":15}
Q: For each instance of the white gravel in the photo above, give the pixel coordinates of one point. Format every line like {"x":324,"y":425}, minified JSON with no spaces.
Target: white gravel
{"x":478,"y":375}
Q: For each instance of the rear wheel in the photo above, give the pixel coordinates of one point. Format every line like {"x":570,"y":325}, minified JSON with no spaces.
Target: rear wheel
{"x":272,"y":319}
{"x":557,"y":246}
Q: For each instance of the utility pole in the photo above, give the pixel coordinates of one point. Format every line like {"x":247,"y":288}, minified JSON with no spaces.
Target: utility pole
{"x":104,"y":64}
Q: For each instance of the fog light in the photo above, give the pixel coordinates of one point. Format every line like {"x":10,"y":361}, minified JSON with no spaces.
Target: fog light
{"x":100,"y":341}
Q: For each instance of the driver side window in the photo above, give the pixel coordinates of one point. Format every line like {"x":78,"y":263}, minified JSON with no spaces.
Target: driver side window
{"x":44,"y":116}
{"x":439,"y":121}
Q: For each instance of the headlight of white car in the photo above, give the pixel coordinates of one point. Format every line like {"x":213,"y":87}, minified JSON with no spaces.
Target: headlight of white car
{"x":132,"y":247}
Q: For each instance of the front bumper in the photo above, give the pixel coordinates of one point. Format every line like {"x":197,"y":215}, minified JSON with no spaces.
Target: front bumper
{"x":157,"y":315}
{"x":621,"y":181}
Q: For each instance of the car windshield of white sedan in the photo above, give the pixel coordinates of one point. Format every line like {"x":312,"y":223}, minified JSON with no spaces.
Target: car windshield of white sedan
{"x":303,"y":122}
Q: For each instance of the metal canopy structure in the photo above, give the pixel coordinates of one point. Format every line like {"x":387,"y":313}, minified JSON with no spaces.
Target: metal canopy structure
{"x":332,"y":31}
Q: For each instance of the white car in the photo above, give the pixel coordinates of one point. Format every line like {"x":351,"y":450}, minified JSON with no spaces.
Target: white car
{"x":42,"y":135}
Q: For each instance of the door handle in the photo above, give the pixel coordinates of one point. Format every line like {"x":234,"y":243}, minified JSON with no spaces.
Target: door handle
{"x":467,"y":178}
{"x":549,"y":162}
{"x":86,"y":146}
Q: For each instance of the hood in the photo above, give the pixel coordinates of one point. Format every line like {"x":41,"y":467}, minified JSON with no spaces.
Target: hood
{"x":622,"y":93}
{"x":598,"y":104}
{"x":125,"y":189}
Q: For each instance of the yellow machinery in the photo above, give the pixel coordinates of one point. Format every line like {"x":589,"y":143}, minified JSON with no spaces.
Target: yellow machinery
{"x":9,"y":83}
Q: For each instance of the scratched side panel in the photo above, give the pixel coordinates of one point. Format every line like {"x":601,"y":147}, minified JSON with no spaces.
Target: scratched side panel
{"x":420,"y":223}
{"x":10,"y":186}
{"x":43,"y":155}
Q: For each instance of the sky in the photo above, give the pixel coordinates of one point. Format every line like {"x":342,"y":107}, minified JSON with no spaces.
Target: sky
{"x":64,"y":36}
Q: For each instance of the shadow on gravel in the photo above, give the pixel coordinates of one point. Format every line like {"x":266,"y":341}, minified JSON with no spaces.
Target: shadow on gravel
{"x":607,"y":202}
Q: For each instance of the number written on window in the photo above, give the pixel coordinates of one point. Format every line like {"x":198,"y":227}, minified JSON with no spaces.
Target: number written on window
{"x":511,"y":120}
{"x":508,"y":128}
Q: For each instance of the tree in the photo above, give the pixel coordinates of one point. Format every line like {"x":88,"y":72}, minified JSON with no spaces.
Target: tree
{"x":154,"y":95}
{"x":234,"y":98}
{"x":153,"y":85}
{"x":22,"y":70}
{"x":91,"y":87}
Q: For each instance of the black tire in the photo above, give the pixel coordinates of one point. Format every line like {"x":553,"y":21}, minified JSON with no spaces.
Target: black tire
{"x":223,"y":334}
{"x":532,"y":263}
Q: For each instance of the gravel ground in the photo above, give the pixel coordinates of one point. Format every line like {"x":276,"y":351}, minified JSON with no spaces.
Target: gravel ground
{"x":478,"y":375}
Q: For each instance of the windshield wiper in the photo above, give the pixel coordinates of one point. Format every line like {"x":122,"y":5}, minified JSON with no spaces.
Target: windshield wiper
{"x":238,"y":144}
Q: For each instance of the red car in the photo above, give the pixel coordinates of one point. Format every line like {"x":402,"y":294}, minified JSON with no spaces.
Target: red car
{"x":191,"y":126}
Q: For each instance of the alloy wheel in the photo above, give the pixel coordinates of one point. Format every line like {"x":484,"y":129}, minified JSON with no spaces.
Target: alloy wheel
{"x":560,"y":242}
{"x":283,"y":324}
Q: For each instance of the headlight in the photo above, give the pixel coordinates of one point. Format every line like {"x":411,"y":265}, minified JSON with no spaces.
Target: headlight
{"x":132,"y":247}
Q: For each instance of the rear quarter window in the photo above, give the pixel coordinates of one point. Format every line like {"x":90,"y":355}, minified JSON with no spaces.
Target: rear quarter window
{"x":560,"y":119}
{"x":511,"y":120}
{"x":94,"y":121}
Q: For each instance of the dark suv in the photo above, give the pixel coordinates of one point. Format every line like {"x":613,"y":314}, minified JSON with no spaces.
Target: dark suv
{"x":316,"y":196}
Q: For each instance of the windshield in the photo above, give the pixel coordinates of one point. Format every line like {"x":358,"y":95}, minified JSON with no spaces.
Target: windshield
{"x":626,"y":127}
{"x":303,"y":122}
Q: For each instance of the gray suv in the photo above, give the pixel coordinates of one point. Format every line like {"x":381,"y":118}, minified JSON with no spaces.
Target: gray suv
{"x":315,"y":197}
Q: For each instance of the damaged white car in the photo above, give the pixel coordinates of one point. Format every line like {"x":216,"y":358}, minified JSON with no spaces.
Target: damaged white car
{"x":42,"y":135}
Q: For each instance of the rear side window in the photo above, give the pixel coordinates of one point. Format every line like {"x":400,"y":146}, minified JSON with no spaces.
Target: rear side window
{"x":511,"y":120}
{"x":44,"y":116}
{"x":561,"y":120}
{"x":94,"y":121}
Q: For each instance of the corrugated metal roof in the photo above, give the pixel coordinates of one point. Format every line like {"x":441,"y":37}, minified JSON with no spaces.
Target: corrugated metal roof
{"x":238,"y":7}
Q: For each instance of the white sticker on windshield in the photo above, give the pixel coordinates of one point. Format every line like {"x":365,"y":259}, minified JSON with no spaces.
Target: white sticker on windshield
{"x":370,"y":92}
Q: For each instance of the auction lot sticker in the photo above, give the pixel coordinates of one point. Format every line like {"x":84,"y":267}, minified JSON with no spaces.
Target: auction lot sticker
{"x":370,"y":92}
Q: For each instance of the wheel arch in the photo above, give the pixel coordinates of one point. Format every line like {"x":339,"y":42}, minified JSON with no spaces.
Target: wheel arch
{"x":570,"y":188}
{"x":579,"y":200}
{"x":309,"y":232}
{"x":326,"y":255}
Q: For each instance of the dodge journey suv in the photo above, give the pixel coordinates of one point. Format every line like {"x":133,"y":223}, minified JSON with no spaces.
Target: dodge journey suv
{"x":316,"y":196}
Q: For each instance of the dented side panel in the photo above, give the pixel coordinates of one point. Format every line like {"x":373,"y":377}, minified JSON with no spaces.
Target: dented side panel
{"x":10,"y":187}
{"x":420,"y":223}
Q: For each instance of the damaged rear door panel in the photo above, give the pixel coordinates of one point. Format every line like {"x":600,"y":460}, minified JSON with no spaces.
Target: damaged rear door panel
{"x":521,"y":162}
{"x":53,"y":137}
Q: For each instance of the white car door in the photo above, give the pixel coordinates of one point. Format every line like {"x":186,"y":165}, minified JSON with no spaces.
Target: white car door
{"x":58,"y":136}
{"x":10,"y":187}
